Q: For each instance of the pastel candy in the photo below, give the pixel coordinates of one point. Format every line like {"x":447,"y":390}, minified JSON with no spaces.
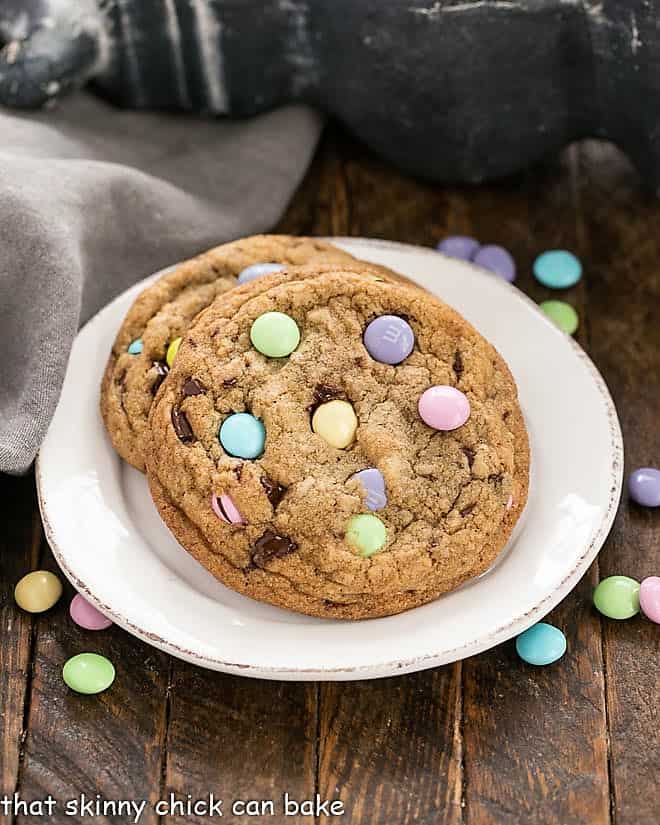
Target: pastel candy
{"x":336,"y":423}
{"x":88,"y":673}
{"x":172,"y":351}
{"x":389,"y":339}
{"x":243,"y":436}
{"x":38,"y":591}
{"x":459,"y":246}
{"x":617,"y":597}
{"x":644,"y":486}
{"x":497,"y":260}
{"x":562,"y":314}
{"x":86,"y":615}
{"x":275,"y":334}
{"x":135,"y":347}
{"x":225,"y":509}
{"x":541,"y":644}
{"x":373,"y":483}
{"x":258,"y":271}
{"x":557,"y":269}
{"x":649,"y":598}
{"x":444,"y":407}
{"x":367,"y":534}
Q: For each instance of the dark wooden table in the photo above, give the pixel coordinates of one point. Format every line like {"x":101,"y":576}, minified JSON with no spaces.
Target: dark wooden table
{"x":484,"y":741}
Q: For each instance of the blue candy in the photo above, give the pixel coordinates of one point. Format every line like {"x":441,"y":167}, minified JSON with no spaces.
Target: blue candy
{"x":135,"y":347}
{"x":258,"y":271}
{"x":541,"y":644}
{"x":242,"y":435}
{"x":557,"y":269}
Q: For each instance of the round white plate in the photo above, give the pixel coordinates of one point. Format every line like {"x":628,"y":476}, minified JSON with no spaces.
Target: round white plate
{"x":109,"y":541}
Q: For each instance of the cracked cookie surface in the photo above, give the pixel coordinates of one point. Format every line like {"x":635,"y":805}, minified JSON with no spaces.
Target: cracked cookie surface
{"x":275,"y":527}
{"x":163,"y":312}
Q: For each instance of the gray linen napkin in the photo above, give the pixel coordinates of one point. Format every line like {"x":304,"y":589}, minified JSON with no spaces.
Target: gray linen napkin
{"x":92,"y":199}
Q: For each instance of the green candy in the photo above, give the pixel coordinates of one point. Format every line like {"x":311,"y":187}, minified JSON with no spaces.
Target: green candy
{"x":617,"y":597}
{"x":563,"y":315}
{"x":88,"y":673}
{"x":275,"y":334}
{"x":366,"y":533}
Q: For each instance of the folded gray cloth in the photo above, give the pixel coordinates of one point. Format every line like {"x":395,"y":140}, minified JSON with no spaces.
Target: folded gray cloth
{"x":92,"y":199}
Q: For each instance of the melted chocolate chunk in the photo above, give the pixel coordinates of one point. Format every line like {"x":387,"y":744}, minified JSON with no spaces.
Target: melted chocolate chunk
{"x":467,"y":510}
{"x":324,"y":393}
{"x":182,"y":426}
{"x":161,"y":374}
{"x":120,"y":380}
{"x":274,"y":491}
{"x":271,"y":546}
{"x":469,"y":454}
{"x":192,"y":387}
{"x":229,"y":382}
{"x":457,"y":366}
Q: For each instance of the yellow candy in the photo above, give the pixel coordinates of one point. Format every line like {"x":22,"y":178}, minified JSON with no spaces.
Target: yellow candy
{"x":336,"y":423}
{"x":38,"y":591}
{"x":172,"y":351}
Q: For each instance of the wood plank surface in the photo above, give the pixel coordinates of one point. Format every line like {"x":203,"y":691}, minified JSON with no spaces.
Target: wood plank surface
{"x":491,"y":741}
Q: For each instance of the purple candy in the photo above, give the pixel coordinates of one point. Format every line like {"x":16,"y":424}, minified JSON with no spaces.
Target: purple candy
{"x":389,"y":339}
{"x":497,"y":260}
{"x":373,"y":482}
{"x":644,"y":486}
{"x":258,"y":271}
{"x":459,"y":246}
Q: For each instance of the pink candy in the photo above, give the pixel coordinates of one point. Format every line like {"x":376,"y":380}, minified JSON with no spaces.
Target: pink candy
{"x":444,"y":408}
{"x":87,"y":616}
{"x":225,"y":509}
{"x":649,"y":598}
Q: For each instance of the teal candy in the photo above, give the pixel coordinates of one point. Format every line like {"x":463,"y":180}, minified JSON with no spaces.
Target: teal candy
{"x":557,"y":269}
{"x":243,"y":436}
{"x":541,"y":644}
{"x":135,"y":347}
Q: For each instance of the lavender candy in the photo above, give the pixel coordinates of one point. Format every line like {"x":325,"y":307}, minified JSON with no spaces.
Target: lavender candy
{"x":497,"y":260}
{"x":389,"y":339}
{"x":258,"y":271}
{"x":459,"y":246}
{"x":373,"y":482}
{"x":644,"y":486}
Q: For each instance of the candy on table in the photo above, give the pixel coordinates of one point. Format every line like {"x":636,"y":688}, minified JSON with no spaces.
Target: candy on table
{"x":373,"y":483}
{"x":389,"y":339}
{"x":258,"y":271}
{"x":366,"y":533}
{"x":644,"y":486}
{"x":459,"y":246}
{"x":172,"y":351}
{"x":617,"y":597}
{"x":557,"y":269}
{"x":443,"y":407}
{"x":496,"y":259}
{"x":336,"y":423}
{"x":38,"y":591}
{"x":563,"y":315}
{"x":135,"y":347}
{"x":225,"y":509}
{"x":649,"y":598}
{"x":85,"y":615}
{"x":243,"y":435}
{"x":541,"y":644}
{"x":88,"y":673}
{"x":275,"y":334}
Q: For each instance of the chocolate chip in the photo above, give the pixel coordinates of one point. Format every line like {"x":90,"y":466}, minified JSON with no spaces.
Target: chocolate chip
{"x":192,"y":387}
{"x":182,"y":426}
{"x":469,"y":454}
{"x":457,"y":366}
{"x":229,"y":382}
{"x":271,"y":546}
{"x":120,"y":380}
{"x":324,"y":393}
{"x":274,"y":491}
{"x":467,"y":510}
{"x":496,"y":478}
{"x":161,"y":374}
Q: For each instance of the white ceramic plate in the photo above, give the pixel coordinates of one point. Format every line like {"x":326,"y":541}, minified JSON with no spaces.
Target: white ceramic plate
{"x":109,"y":541}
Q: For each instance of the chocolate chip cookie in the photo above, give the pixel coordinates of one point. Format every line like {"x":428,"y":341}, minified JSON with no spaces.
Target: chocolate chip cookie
{"x":338,"y":445}
{"x":149,"y":336}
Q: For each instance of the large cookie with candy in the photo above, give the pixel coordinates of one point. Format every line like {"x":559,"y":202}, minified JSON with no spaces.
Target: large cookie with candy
{"x":338,"y":445}
{"x":149,"y":336}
